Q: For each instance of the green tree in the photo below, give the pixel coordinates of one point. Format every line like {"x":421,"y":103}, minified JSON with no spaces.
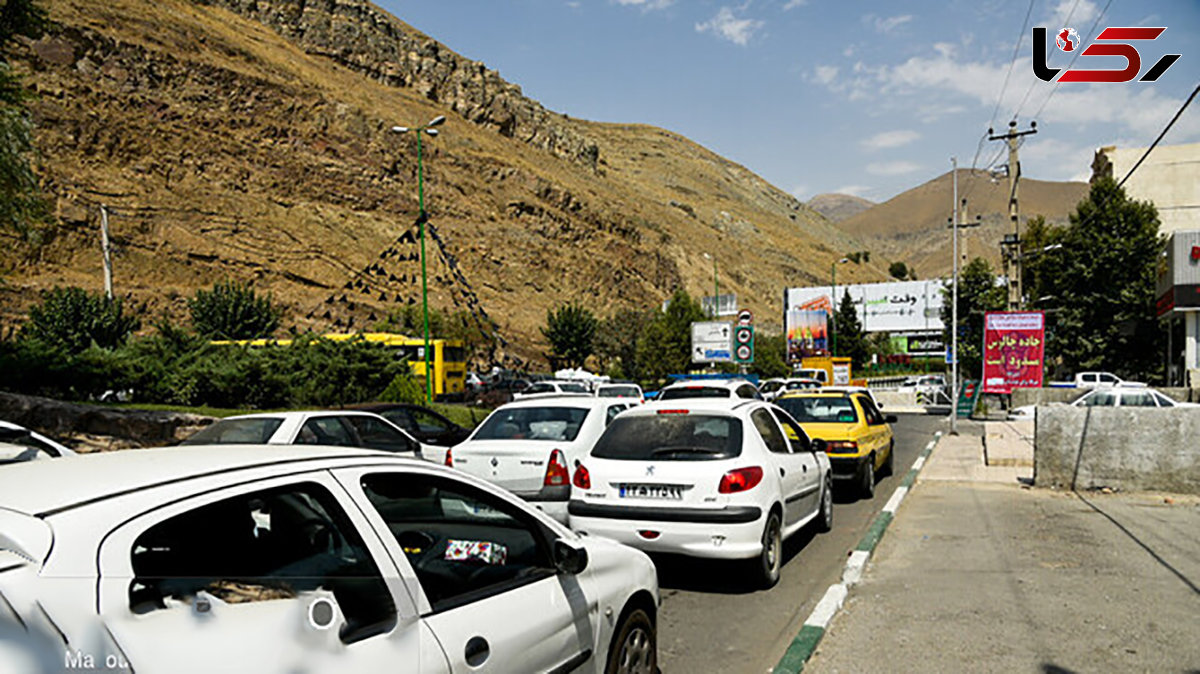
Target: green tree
{"x":616,"y":342}
{"x":666,"y":343}
{"x":978,"y":293}
{"x":851,"y":341}
{"x":571,"y":331}
{"x":71,"y":320}
{"x":769,"y":356}
{"x":898,"y":270}
{"x":1101,"y":286}
{"x":21,"y":203}
{"x":232,"y":310}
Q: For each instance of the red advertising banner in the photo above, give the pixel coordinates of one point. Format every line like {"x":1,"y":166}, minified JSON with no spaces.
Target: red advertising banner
{"x":1013,"y":349}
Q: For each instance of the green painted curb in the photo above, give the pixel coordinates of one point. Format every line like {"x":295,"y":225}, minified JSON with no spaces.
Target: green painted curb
{"x":801,"y":650}
{"x":910,"y":478}
{"x":871,"y":538}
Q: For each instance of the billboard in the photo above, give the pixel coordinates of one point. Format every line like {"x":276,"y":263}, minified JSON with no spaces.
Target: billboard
{"x":901,"y":306}
{"x":807,"y":334}
{"x":1013,"y":349}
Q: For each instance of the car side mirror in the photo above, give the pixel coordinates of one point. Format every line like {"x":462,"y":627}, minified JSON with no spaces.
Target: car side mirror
{"x":891,"y":418}
{"x":818,"y":445}
{"x":569,"y":556}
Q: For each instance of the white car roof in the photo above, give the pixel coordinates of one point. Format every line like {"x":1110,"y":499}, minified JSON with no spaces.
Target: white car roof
{"x":712,"y":383}
{"x":730,"y":405}
{"x":25,"y":487}
{"x":302,"y":414}
{"x":559,"y":400}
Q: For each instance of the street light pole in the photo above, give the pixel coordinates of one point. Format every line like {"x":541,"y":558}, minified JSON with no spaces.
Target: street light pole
{"x":422,"y":218}
{"x":954,"y":312}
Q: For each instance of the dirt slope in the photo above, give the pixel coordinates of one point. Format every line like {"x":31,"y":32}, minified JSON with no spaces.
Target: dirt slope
{"x":838,"y":207}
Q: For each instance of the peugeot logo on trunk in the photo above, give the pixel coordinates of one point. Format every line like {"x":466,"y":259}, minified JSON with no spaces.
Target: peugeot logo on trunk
{"x":649,"y":471}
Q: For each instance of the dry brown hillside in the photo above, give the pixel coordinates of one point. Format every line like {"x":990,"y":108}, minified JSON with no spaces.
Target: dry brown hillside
{"x":913,"y":227}
{"x":838,"y":207}
{"x":251,"y":140}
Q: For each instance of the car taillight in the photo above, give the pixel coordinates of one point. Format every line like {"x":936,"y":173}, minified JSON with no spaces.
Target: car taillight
{"x":557,"y":474}
{"x":841,"y":446}
{"x":583,"y":479}
{"x":449,"y":461}
{"x":742,"y":479}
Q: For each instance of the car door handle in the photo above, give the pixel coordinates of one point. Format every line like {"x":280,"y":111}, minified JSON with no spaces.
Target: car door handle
{"x":805,"y":466}
{"x":477,"y":651}
{"x":782,"y":472}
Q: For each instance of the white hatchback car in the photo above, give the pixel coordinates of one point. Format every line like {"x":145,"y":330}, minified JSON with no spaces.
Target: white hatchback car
{"x":725,"y":479}
{"x":262,"y":559}
{"x":528,"y":446}
{"x":710,"y":388}
{"x":552,"y":387}
{"x":340,"y":428}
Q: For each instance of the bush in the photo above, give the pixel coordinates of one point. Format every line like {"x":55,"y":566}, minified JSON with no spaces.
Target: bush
{"x":71,"y":320}
{"x":233,"y":310}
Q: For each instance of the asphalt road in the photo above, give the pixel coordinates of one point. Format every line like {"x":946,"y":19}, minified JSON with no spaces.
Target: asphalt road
{"x":713,"y":620}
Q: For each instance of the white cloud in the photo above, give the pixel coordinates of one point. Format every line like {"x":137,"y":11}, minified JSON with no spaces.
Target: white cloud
{"x":647,"y":5}
{"x":727,"y":26}
{"x":888,"y":24}
{"x":888,"y":139}
{"x":793,"y":4}
{"x":853,"y":190}
{"x":892,"y":168}
{"x":824,"y":74}
{"x":1071,"y":13}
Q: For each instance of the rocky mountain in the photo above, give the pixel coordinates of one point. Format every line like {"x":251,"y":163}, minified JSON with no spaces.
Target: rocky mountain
{"x":913,"y":227}
{"x":838,"y":207}
{"x":250,"y":139}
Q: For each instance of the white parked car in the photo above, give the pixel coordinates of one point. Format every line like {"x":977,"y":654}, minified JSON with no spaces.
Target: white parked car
{"x":1109,"y":397}
{"x":339,"y":428}
{"x":621,"y":391}
{"x":551,"y":387}
{"x":528,"y":446}
{"x":18,"y":444}
{"x":724,"y":479}
{"x":710,"y":388}
{"x":1102,"y":379}
{"x":261,"y":559}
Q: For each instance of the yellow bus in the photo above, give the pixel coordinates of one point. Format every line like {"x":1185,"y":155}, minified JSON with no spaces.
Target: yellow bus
{"x":447,"y":358}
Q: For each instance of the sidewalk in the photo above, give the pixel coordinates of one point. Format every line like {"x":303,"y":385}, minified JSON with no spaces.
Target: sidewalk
{"x":979,"y":573}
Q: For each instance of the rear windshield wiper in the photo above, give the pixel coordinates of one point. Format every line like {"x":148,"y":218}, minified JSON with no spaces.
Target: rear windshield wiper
{"x":686,"y":450}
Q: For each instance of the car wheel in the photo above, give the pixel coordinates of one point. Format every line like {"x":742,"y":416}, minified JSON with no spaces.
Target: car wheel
{"x":889,"y":464}
{"x":867,"y":488}
{"x":825,"y":518}
{"x":634,"y":648}
{"x":771,"y":558}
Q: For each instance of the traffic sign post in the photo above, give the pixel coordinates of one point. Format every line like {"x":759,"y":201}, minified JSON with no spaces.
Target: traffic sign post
{"x":712,"y":342}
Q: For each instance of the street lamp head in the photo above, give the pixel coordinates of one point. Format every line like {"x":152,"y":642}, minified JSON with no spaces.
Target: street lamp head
{"x":399,"y":129}
{"x":432,"y":132}
{"x":436,"y":121}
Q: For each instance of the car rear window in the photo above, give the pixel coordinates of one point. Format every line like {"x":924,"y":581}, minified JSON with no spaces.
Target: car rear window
{"x":573,"y":388}
{"x":820,"y":409}
{"x":533,"y":423}
{"x":619,"y":392}
{"x":693,"y":392}
{"x":237,"y":432}
{"x":671,"y":437}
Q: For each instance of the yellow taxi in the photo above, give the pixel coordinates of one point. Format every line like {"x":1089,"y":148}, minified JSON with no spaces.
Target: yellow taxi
{"x":858,"y":438}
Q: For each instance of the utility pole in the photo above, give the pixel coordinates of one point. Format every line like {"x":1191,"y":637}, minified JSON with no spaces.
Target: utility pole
{"x":1011,"y":245}
{"x":954,"y":308}
{"x":108,"y":286}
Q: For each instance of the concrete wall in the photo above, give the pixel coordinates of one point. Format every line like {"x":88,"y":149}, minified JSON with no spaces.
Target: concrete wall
{"x":1045,"y":396}
{"x":1134,"y":449}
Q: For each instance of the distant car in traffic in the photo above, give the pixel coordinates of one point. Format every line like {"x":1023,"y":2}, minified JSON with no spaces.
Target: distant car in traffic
{"x":528,"y":446}
{"x":773,"y":388}
{"x":420,"y":422}
{"x":341,"y":428}
{"x":551,"y":386}
{"x":620,"y":391}
{"x":19,"y":444}
{"x":264,"y":559}
{"x":1110,"y":397}
{"x":706,"y":477}
{"x":710,"y":388}
{"x":857,"y":435}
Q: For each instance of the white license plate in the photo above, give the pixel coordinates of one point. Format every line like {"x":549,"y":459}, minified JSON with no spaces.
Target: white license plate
{"x":669,"y":492}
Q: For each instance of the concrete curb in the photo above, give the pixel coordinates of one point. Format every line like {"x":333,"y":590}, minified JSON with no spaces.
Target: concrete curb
{"x":806,"y":641}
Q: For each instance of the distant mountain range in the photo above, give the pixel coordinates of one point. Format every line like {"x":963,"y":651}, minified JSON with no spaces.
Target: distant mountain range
{"x":838,"y":207}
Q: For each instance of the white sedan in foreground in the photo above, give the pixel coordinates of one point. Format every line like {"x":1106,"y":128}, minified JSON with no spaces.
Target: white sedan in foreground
{"x":706,"y":477}
{"x":262,"y":559}
{"x":333,"y":428}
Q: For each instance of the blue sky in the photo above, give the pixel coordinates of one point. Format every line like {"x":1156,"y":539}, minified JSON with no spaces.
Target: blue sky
{"x":863,"y":97}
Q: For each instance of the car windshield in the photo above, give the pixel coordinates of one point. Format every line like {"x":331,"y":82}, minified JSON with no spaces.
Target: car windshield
{"x":257,"y":430}
{"x":671,"y":437}
{"x":18,"y":444}
{"x":533,"y":423}
{"x":820,"y":409}
{"x":693,"y":392}
{"x":619,"y":392}
{"x":1098,"y":399}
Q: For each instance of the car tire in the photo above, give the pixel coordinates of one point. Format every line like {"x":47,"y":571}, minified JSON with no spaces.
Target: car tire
{"x":771,"y":558}
{"x":634,"y":648}
{"x":867,"y":487}
{"x":889,"y":464}
{"x":825,"y":516}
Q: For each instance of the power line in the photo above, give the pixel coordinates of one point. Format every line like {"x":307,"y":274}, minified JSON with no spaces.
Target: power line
{"x":1012,"y":62}
{"x":1054,"y":90}
{"x":1160,"y":136}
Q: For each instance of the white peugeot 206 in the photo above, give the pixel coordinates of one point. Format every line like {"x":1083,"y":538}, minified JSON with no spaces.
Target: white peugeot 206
{"x":717,"y":478}
{"x":258,"y":559}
